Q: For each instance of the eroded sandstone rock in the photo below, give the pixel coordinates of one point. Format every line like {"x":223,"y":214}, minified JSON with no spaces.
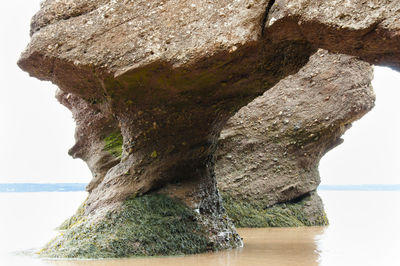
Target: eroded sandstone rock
{"x":169,"y":74}
{"x":269,"y":151}
{"x":98,"y":139}
{"x":369,"y":29}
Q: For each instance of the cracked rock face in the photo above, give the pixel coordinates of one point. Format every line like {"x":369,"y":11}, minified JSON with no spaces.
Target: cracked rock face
{"x":163,"y":77}
{"x":269,"y":151}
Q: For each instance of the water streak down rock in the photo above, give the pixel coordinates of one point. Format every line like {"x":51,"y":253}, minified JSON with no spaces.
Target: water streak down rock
{"x":167,"y":75}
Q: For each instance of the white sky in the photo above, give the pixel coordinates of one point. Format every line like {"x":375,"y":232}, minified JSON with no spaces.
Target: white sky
{"x":36,"y":131}
{"x":370,"y":153}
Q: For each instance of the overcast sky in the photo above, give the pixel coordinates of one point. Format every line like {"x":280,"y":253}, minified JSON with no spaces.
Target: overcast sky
{"x":36,"y":131}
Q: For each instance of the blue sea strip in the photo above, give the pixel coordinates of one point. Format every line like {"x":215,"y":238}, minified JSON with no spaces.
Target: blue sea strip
{"x":71,"y":187}
{"x":36,"y":187}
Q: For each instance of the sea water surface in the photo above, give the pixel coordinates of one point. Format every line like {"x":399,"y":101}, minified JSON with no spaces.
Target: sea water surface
{"x":364,"y":230}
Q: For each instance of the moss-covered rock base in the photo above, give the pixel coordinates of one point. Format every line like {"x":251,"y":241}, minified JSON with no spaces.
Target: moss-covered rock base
{"x":75,"y":219}
{"x":304,"y":211}
{"x":150,"y":225}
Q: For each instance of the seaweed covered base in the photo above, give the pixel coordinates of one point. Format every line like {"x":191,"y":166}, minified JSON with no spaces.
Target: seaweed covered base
{"x":150,"y":225}
{"x":305,"y":211}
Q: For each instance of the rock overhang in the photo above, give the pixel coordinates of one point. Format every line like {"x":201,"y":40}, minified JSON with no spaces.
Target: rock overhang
{"x":366,"y":29}
{"x":122,"y":35}
{"x":167,"y":75}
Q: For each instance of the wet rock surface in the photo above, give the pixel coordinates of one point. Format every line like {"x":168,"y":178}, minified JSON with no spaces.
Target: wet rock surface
{"x":163,"y":77}
{"x":152,"y":225}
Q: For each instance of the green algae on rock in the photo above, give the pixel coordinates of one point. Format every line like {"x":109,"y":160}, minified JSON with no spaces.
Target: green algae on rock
{"x":304,"y":211}
{"x":113,"y":144}
{"x":151,"y":225}
{"x":75,"y":219}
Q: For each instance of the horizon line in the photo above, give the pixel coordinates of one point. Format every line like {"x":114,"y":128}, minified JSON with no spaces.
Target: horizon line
{"x":76,"y":187}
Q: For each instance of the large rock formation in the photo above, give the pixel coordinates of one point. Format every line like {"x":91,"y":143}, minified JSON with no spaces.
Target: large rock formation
{"x":163,"y":77}
{"x":269,"y":151}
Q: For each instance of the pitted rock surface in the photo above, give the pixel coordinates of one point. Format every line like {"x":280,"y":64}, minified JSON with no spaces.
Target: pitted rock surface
{"x":270,"y":150}
{"x":369,"y":29}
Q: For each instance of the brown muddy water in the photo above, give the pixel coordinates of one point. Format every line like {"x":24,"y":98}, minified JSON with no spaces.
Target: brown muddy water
{"x":274,"y":247}
{"x":364,"y":230}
